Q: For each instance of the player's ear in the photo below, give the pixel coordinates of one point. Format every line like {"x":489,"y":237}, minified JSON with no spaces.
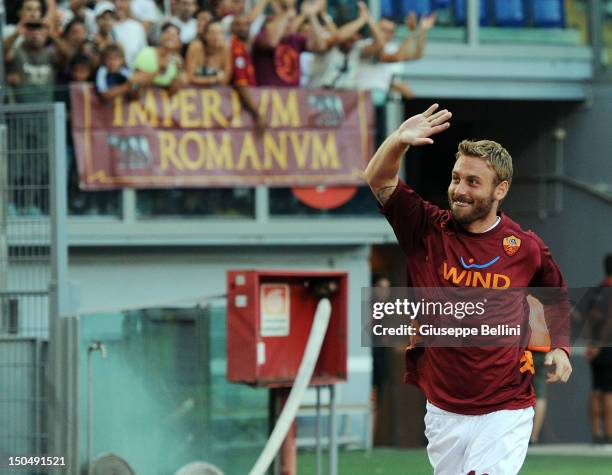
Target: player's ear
{"x":501,"y":190}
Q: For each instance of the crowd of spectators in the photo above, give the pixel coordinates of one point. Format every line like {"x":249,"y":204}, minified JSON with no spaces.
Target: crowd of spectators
{"x":125,"y":45}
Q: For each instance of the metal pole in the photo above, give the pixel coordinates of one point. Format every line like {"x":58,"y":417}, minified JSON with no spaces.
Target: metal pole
{"x":2,"y":74}
{"x":96,"y":346}
{"x":595,"y":33}
{"x":89,"y":413}
{"x":318,"y":432}
{"x":333,"y":432}
{"x":560,"y":134}
{"x":262,"y":204}
{"x":4,"y":199}
{"x":473,"y":22}
{"x":272,"y":415}
{"x":63,"y":358}
{"x":37,"y":395}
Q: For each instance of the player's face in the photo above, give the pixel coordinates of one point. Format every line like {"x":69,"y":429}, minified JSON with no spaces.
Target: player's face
{"x":471,"y":193}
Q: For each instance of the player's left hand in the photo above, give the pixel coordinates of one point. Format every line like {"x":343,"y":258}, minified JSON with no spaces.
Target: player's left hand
{"x":563,"y":369}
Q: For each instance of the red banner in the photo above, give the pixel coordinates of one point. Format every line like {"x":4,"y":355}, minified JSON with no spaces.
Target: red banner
{"x":205,"y":138}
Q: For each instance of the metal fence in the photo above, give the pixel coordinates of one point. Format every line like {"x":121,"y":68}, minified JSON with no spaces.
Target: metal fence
{"x":32,"y":275}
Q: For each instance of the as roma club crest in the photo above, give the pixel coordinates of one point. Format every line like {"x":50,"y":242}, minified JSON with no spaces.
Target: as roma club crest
{"x":511,"y":245}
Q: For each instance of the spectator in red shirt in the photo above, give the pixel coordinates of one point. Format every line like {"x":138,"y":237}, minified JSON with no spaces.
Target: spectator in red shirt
{"x":277,"y":49}
{"x":243,"y":72}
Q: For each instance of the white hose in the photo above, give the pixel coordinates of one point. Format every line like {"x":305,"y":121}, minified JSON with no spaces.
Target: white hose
{"x":287,"y":416}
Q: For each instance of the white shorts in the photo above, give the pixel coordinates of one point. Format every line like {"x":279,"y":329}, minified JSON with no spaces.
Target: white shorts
{"x":491,"y":444}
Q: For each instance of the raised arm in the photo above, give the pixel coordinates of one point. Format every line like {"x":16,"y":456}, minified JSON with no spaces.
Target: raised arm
{"x":378,"y":42}
{"x":257,"y":10}
{"x":381,"y":172}
{"x":425,"y":25}
{"x":319,"y":40}
{"x":10,"y":40}
{"x":347,"y":30}
{"x":276,"y":28}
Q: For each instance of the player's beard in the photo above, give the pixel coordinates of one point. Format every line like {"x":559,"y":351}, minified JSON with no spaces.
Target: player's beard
{"x":478,"y":209}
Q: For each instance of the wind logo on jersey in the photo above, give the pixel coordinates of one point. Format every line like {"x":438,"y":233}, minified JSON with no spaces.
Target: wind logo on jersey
{"x":474,"y":278}
{"x":511,"y":245}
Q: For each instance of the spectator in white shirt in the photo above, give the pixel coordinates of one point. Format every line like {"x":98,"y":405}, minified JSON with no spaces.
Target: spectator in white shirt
{"x":147,"y":13}
{"x":130,"y":34}
{"x":185,"y":20}
{"x":338,"y":66}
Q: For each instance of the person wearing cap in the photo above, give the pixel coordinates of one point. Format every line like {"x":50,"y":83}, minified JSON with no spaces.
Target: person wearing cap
{"x":105,"y":19}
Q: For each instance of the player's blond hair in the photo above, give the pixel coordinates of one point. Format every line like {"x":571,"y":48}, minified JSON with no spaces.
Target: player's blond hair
{"x":493,"y":153}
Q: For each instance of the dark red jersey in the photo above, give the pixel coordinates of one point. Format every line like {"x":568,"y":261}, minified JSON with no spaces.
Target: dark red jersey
{"x":243,"y":72}
{"x":441,"y":253}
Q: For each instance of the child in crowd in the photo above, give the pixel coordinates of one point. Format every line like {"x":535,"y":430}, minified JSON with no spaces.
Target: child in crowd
{"x":81,"y":68}
{"x":112,"y":78}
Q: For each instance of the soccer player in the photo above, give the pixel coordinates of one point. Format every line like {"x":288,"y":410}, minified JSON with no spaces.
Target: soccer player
{"x":479,"y":400}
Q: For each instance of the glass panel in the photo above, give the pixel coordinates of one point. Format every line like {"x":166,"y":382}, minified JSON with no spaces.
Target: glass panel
{"x":450,"y":19}
{"x":547,"y":22}
{"x":222,"y":202}
{"x":502,"y":21}
{"x":160,"y":398}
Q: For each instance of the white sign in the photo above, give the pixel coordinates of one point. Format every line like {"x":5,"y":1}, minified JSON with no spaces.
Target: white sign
{"x":274,"y":309}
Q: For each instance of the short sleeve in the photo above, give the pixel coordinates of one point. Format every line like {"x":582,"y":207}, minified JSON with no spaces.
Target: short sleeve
{"x":146,"y":60}
{"x":101,"y":83}
{"x":409,"y":215}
